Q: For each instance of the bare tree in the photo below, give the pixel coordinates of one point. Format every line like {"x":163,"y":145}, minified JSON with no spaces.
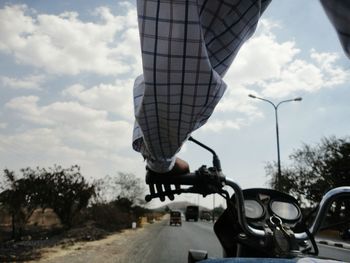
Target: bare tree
{"x":124,"y":185}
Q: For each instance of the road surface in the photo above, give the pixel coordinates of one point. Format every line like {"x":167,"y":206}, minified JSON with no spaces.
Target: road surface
{"x":334,"y":252}
{"x":157,"y":242}
{"x":171,"y":243}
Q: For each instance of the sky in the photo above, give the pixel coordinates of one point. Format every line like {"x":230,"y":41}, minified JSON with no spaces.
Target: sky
{"x":67,"y":71}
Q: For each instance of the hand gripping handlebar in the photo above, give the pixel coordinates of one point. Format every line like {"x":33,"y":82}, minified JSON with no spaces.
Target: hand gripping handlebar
{"x":207,"y":181}
{"x":204,"y":181}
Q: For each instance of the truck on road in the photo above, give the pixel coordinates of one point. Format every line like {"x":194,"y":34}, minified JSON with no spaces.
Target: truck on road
{"x":192,"y":212}
{"x":175,"y":218}
{"x":205,"y":215}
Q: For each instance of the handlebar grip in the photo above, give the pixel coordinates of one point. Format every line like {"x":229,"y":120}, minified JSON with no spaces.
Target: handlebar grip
{"x":178,"y":179}
{"x":203,"y":181}
{"x":160,"y":184}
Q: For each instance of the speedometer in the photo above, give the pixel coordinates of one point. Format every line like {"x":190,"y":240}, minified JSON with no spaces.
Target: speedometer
{"x":285,"y":210}
{"x":253,"y":209}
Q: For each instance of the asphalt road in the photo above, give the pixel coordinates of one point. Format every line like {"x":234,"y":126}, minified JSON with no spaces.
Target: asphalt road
{"x":171,"y":243}
{"x":334,"y":252}
{"x":156,"y":242}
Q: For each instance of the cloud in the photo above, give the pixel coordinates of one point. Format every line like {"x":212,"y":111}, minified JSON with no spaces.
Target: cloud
{"x":92,"y":124}
{"x":219,"y":125}
{"x":302,"y":76}
{"x":275,"y":70}
{"x":333,"y":74}
{"x":115,"y":98}
{"x":32,"y":82}
{"x":74,"y":124}
{"x":261,"y":58}
{"x":3,"y":125}
{"x":66,"y":133}
{"x":43,"y":147}
{"x":64,"y":44}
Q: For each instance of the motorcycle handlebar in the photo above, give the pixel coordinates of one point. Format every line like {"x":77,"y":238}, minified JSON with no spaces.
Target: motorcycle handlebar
{"x":207,"y":181}
{"x":326,"y":202}
{"x":204,"y":181}
{"x":239,"y":198}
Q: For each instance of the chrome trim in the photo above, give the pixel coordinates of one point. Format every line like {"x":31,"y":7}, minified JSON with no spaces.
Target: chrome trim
{"x":241,"y":210}
{"x":325,"y":203}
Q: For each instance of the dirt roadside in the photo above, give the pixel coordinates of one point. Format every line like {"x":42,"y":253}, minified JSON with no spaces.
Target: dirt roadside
{"x":121,"y":247}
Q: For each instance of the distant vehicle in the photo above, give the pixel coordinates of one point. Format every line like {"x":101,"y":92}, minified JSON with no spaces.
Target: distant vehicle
{"x":205,"y":215}
{"x":175,"y":218}
{"x":192,"y":212}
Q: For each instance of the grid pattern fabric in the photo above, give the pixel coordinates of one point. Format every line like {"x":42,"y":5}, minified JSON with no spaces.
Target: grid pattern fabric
{"x":187,"y":46}
{"x":338,"y":12}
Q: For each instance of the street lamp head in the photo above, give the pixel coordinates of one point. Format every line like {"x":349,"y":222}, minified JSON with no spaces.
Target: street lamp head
{"x":252,"y":96}
{"x":298,"y":99}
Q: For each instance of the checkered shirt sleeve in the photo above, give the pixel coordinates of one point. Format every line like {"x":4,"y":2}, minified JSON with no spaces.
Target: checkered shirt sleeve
{"x":338,"y":11}
{"x":187,"y":46}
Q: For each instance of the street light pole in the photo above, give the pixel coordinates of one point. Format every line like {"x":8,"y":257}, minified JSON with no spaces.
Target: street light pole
{"x":279,"y":176}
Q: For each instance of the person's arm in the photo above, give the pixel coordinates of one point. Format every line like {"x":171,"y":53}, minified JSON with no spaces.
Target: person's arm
{"x":187,"y":46}
{"x":338,"y":12}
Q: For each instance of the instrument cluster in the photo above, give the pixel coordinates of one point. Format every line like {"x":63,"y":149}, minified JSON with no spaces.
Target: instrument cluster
{"x":261,"y":204}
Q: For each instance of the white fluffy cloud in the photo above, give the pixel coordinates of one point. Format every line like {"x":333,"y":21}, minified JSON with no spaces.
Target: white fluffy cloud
{"x":28,"y":82}
{"x":273,"y":69}
{"x":220,"y":125}
{"x":302,"y":76}
{"x":116,"y":98}
{"x":77,"y":127}
{"x":261,"y":58}
{"x":276,"y":71}
{"x":43,"y":147}
{"x":64,"y":44}
{"x":3,"y":125}
{"x":74,"y":124}
{"x":66,"y":133}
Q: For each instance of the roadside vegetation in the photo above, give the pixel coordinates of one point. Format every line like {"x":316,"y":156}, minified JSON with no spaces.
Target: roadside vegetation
{"x":314,"y":170}
{"x":58,"y":206}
